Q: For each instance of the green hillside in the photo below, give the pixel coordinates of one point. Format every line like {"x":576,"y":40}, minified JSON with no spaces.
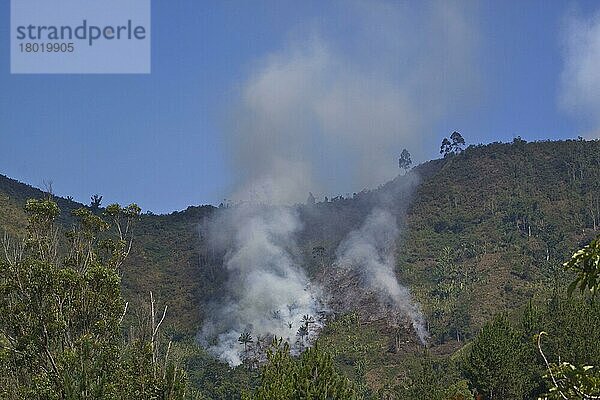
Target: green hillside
{"x":498,"y":221}
{"x":485,"y":232}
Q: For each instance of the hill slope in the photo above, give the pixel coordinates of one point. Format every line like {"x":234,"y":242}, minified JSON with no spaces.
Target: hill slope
{"x":483,"y":232}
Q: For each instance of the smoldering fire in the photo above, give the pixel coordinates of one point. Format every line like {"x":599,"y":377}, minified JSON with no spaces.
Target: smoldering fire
{"x":268,"y":294}
{"x":369,"y":250}
{"x":318,"y":116}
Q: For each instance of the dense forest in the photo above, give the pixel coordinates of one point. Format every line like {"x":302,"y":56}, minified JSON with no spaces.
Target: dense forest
{"x":496,"y":244}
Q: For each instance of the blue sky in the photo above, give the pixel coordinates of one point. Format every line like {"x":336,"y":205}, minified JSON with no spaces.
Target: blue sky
{"x":164,"y":140}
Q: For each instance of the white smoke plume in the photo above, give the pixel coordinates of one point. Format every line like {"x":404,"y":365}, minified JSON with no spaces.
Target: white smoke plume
{"x":267,"y":293}
{"x":369,"y":250}
{"x":330,"y":112}
{"x":580,"y":80}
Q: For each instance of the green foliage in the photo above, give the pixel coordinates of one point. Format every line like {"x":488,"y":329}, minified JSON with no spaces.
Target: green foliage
{"x":570,"y":381}
{"x":245,"y":338}
{"x":210,"y":378}
{"x":506,"y":352}
{"x":405,"y":161}
{"x":573,"y":334}
{"x":60,"y":317}
{"x":312,"y":376}
{"x":451,"y":296}
{"x":425,"y":381}
{"x":509,"y":213}
{"x":586,"y":264}
{"x":432,"y":378}
{"x":459,"y":391}
{"x":498,"y":361}
{"x":457,"y":140}
{"x":96,"y":200}
{"x":446,"y":147}
{"x":452,"y":146}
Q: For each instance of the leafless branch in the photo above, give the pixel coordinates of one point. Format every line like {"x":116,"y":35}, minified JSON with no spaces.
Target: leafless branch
{"x":124,"y":311}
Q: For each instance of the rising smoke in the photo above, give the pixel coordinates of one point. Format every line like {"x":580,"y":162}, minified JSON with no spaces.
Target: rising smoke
{"x":329,"y":113}
{"x":370,"y":251}
{"x":580,"y":78}
{"x":267,"y":293}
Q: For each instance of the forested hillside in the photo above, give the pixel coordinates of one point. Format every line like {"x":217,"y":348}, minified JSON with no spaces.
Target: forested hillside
{"x":483,"y":237}
{"x":492,"y":227}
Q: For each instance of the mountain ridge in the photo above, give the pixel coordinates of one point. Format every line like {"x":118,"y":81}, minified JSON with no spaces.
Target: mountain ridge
{"x":484,"y":232}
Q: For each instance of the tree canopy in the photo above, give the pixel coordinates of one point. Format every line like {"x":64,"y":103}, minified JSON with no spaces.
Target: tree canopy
{"x":61,"y":313}
{"x":404,"y":162}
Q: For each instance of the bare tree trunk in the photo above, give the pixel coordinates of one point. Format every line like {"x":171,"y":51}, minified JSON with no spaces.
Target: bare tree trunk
{"x":155,"y":329}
